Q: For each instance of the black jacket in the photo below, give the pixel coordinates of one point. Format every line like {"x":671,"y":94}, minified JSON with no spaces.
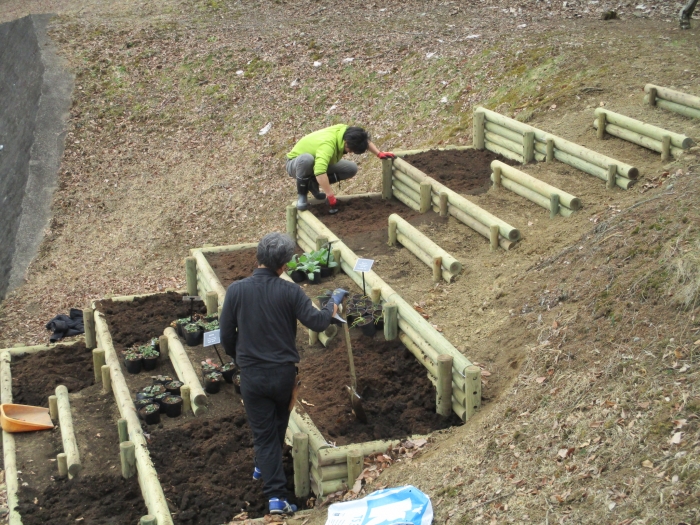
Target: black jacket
{"x":264,"y":310}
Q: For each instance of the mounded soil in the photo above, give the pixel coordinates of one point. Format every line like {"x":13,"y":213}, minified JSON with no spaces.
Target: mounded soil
{"x":233,"y":266}
{"x":464,"y":171}
{"x":36,"y":376}
{"x":107,"y":499}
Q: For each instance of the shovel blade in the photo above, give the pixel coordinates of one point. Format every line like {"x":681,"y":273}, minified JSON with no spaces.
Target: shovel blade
{"x":356,"y":402}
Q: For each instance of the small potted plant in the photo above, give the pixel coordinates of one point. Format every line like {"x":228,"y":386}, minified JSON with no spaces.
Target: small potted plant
{"x":228,"y":371}
{"x":312,"y":270}
{"x":212,"y":382}
{"x":150,"y":414}
{"x":174,"y":387}
{"x":150,"y":357}
{"x":153,"y":390}
{"x":158,"y":400}
{"x":193,"y":334}
{"x":378,"y":316}
{"x":179,"y":325}
{"x":325,"y":260}
{"x":366,"y":324}
{"x":162,"y":380}
{"x":133,"y":361}
{"x":294,"y":270}
{"x":142,"y":400}
{"x":155,"y":343}
{"x":173,"y":405}
{"x":208,"y":367}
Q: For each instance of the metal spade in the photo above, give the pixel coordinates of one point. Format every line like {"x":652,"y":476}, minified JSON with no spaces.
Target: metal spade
{"x":355,"y":399}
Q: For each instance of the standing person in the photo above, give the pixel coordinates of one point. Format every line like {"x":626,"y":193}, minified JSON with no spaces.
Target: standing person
{"x":317,"y":160}
{"x":686,"y":13}
{"x":258,"y":328}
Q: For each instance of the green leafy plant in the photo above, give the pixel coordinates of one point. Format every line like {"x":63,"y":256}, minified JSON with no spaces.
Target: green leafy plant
{"x":293,"y":265}
{"x":153,"y":390}
{"x":148,"y":352}
{"x":228,"y":366}
{"x":209,"y":367}
{"x":171,"y":399}
{"x":310,"y":268}
{"x":192,"y":328}
{"x":214,"y":376}
{"x":323,"y":257}
{"x":209,"y":326}
{"x":155,"y":343}
{"x":132,"y":354}
{"x":150,"y":409}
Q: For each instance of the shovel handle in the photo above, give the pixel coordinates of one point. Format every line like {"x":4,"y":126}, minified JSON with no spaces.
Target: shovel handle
{"x":350,"y":358}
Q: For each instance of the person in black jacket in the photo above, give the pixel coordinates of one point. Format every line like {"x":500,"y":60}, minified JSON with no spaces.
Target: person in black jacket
{"x":258,"y":324}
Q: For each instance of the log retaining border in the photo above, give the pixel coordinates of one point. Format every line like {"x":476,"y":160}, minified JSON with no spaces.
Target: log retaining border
{"x":671,"y":100}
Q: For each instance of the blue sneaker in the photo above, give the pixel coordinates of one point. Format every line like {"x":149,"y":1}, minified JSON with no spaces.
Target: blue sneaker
{"x":257,"y":474}
{"x":281,"y":506}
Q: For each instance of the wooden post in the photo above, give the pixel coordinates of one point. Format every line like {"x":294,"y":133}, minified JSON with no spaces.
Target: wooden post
{"x":163,"y":345}
{"x":437,"y":269}
{"x":148,"y":520}
{"x":665,"y":148}
{"x":553,"y":205}
{"x":387,"y":171}
{"x":478,"y":130}
{"x":550,"y":150}
{"x":443,"y":204}
{"x":425,"y":197}
{"x":528,"y":146}
{"x":612,"y":172}
{"x":211,"y":300}
{"x":355,"y":461}
{"x":493,"y":238}
{"x":98,"y":360}
{"x":320,"y":241}
{"x":496,"y":177}
{"x":123,"y":430}
{"x":392,"y":232}
{"x":600,"y":133}
{"x":65,"y":420}
{"x":443,"y":400}
{"x":652,"y":96}
{"x":376,"y":295}
{"x":106,"y":379}
{"x":191,"y":275}
{"x":473,"y":390}
{"x":292,"y":221}
{"x":89,"y":327}
{"x":185,"y":371}
{"x":302,"y":468}
{"x":53,"y":407}
{"x":127,"y":454}
{"x":336,"y":257}
{"x":391,"y":326}
{"x":62,"y":461}
{"x":186,"y":402}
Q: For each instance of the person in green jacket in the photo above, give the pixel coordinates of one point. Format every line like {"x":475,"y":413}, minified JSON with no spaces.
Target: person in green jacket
{"x":317,"y":160}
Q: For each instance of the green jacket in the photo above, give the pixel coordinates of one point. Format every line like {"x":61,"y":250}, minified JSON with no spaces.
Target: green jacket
{"x":326,"y":145}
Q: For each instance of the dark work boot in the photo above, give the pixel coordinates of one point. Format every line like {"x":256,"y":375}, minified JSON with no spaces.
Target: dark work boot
{"x":302,"y":190}
{"x":315,"y":190}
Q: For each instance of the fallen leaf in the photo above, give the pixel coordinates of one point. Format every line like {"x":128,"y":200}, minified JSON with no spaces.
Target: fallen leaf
{"x":679,"y":423}
{"x":541,"y":379}
{"x":676,"y":439}
{"x":647,"y":464}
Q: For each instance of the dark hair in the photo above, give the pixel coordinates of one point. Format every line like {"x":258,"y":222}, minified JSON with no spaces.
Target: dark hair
{"x":357,"y":139}
{"x":275,"y":250}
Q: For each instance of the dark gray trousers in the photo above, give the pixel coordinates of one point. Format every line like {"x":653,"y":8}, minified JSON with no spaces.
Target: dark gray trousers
{"x":302,"y":167}
{"x":688,"y":9}
{"x":266,"y":395}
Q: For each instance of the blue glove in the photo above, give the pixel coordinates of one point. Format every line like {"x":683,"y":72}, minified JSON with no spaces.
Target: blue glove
{"x":338,"y":295}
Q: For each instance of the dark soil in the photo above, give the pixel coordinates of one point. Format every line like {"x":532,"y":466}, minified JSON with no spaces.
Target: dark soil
{"x":36,"y":376}
{"x":206,"y":470}
{"x":233,"y":266}
{"x":138,"y":321}
{"x":467,"y":171}
{"x":397,"y":395}
{"x":107,"y":499}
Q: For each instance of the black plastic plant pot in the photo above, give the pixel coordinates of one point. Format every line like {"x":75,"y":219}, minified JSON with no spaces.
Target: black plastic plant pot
{"x":162,"y":380}
{"x":173,"y":405}
{"x":367,"y":326}
{"x":379,"y":321}
{"x":158,"y":400}
{"x":174,"y":387}
{"x":193,"y":338}
{"x":324,"y":298}
{"x":298,"y":276}
{"x":212,"y":385}
{"x":133,"y":366}
{"x":150,"y":363}
{"x":140,"y":403}
{"x":228,"y":372}
{"x":150,"y":415}
{"x":180,"y":329}
{"x":326,"y":271}
{"x":209,"y":368}
{"x":317,"y":278}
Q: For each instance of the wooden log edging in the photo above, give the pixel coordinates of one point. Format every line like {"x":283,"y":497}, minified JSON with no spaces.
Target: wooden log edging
{"x":671,"y":100}
{"x":406,"y":312}
{"x":563,"y":150}
{"x":65,"y":421}
{"x":532,"y":189}
{"x":8,"y":443}
{"x":457,"y":201}
{"x":185,"y":371}
{"x":423,"y":248}
{"x":151,"y":488}
{"x":407,"y":152}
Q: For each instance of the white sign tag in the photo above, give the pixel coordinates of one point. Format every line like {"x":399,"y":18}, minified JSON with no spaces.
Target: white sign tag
{"x":212,"y":338}
{"x":363,"y":265}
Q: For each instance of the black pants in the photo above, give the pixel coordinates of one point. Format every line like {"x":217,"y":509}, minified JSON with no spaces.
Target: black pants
{"x":266,"y":395}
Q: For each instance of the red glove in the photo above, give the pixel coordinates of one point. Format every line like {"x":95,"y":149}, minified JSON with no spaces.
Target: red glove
{"x":332,"y":200}
{"x":386,"y":155}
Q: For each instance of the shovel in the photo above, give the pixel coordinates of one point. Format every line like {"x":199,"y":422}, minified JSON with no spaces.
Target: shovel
{"x":355,"y":398}
{"x":24,"y":418}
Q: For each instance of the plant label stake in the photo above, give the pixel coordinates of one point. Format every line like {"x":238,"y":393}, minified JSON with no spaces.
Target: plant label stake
{"x":362,"y":266}
{"x":328,"y":247}
{"x":191,"y":299}
{"x":213,"y":338}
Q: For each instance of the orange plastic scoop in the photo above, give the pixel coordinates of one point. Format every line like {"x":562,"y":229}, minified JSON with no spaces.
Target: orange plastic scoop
{"x":24,"y":418}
